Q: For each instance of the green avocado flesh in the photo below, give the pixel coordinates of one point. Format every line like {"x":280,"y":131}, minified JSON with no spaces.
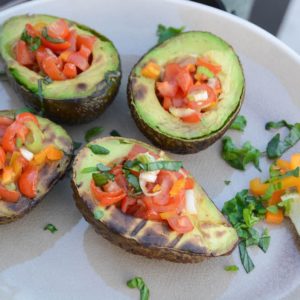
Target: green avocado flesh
{"x":188,"y":45}
{"x":105,"y":60}
{"x":49,"y":174}
{"x":211,"y":236}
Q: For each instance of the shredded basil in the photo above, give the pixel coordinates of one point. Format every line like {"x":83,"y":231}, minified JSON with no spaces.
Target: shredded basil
{"x":276,"y":147}
{"x":99,"y":150}
{"x":134,"y":182}
{"x":47,"y":80}
{"x":91,"y":133}
{"x":231,"y":268}
{"x":238,"y":158}
{"x":33,"y":42}
{"x":239,"y":123}
{"x":50,"y":38}
{"x":245,"y":258}
{"x":164,"y":33}
{"x":103,"y":168}
{"x":138,"y":282}
{"x":163,"y":165}
{"x":89,"y":170}
{"x":264,"y":241}
{"x":102,"y":178}
{"x":98,"y":214}
{"x":51,"y":228}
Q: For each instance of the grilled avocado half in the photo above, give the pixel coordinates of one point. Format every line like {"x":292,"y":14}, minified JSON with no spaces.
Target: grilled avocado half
{"x":48,"y":175}
{"x":161,"y":127}
{"x":212,"y":235}
{"x":71,"y":101}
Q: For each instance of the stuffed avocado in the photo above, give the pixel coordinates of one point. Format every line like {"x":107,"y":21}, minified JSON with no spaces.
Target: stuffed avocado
{"x":63,"y":68}
{"x":34,"y":155}
{"x":138,"y":198}
{"x":184,"y":93}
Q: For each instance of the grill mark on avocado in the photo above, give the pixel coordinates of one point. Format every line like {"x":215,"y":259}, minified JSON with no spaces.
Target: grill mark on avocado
{"x":193,"y":247}
{"x":140,"y":92}
{"x":150,"y":237}
{"x":139,"y":226}
{"x":175,"y":241}
{"x":64,"y":141}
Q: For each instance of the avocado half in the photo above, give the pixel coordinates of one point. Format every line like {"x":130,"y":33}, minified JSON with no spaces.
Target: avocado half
{"x":167,"y":131}
{"x":212,"y":235}
{"x":71,"y":101}
{"x":49,"y":174}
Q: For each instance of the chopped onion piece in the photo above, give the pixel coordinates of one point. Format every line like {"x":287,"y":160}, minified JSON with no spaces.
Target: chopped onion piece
{"x":190,"y":202}
{"x":146,"y":177}
{"x":26,"y":154}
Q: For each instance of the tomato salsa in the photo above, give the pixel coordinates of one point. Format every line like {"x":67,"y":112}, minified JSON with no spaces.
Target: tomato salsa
{"x":22,"y":155}
{"x":54,"y":50}
{"x":186,"y":90}
{"x":145,"y":186}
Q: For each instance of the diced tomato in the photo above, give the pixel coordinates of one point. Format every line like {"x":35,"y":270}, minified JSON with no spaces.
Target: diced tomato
{"x":168,"y":214}
{"x":9,"y":137}
{"x":72,"y":40}
{"x":85,"y":51}
{"x":25,"y":117}
{"x":59,"y":29}
{"x":126,"y":202}
{"x":56,"y":46}
{"x":5,"y":121}
{"x":70,"y":70}
{"x":107,"y":198}
{"x":199,"y":105}
{"x":117,"y":170}
{"x":38,"y":27}
{"x":184,"y":80}
{"x":31,"y":30}
{"x":23,"y":55}
{"x":189,"y":183}
{"x":171,"y":72}
{"x":51,"y":66}
{"x":212,"y":67}
{"x":181,"y":224}
{"x":78,"y":60}
{"x":193,"y":118}
{"x":65,"y":55}
{"x":178,"y":100}
{"x":28,"y":182}
{"x":167,"y":89}
{"x":2,"y":158}
{"x":9,"y":196}
{"x":138,"y":149}
{"x":167,"y":103}
{"x":86,"y":40}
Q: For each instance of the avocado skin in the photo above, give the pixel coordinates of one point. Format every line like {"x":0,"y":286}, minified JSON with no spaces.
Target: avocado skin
{"x":76,"y":110}
{"x":168,"y":143}
{"x":57,"y":173}
{"x":71,"y":111}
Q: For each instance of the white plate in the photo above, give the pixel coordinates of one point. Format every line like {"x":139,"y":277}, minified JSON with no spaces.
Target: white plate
{"x":76,"y":263}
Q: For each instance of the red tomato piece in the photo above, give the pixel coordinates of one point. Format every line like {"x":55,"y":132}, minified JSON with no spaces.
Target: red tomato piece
{"x":31,"y":30}
{"x":2,"y":158}
{"x":126,"y":202}
{"x":51,"y":66}
{"x":212,"y":67}
{"x":5,"y":121}
{"x":212,"y":98}
{"x":171,"y":72}
{"x":9,"y":137}
{"x":25,"y":117}
{"x":70,"y":70}
{"x":178,"y":100}
{"x":28,"y":181}
{"x":166,"y":88}
{"x":56,"y":46}
{"x":78,"y":60}
{"x":193,"y":118}
{"x":59,"y":29}
{"x":167,"y":103}
{"x":9,"y":196}
{"x":181,"y":224}
{"x":23,"y":55}
{"x":72,"y":40}
{"x":138,"y":149}
{"x":85,"y":51}
{"x":189,"y":183}
{"x":86,"y":40}
{"x":184,"y":80}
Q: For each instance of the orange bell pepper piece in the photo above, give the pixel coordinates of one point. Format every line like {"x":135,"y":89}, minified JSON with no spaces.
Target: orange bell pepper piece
{"x":8,"y":175}
{"x":290,"y":182}
{"x":276,"y":218}
{"x":50,"y":152}
{"x":177,"y":187}
{"x":284,"y":165}
{"x":295,"y":161}
{"x":151,"y":70}
{"x":276,"y":197}
{"x":258,"y":188}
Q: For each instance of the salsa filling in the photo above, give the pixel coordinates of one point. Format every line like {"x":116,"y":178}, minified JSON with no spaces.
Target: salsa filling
{"x":145,"y":186}
{"x":22,"y":156}
{"x":188,"y":89}
{"x":54,"y":50}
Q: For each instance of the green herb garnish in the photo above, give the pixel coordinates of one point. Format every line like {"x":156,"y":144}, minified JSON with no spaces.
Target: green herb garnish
{"x":24,"y":109}
{"x":276,"y":147}
{"x":205,"y":71}
{"x":33,"y":42}
{"x":227,"y":182}
{"x":231,"y":268}
{"x":50,"y":38}
{"x":76,"y":145}
{"x":164,"y":33}
{"x":47,"y":80}
{"x":134,"y":182}
{"x":99,"y":150}
{"x":239,"y":123}
{"x":89,"y":170}
{"x":102,"y":178}
{"x":163,"y":165}
{"x":238,"y":158}
{"x":115,"y":133}
{"x":91,"y":133}
{"x":103,"y":168}
{"x":98,"y":214}
{"x":51,"y":228}
{"x":138,"y":282}
{"x":264,"y":241}
{"x":245,"y":258}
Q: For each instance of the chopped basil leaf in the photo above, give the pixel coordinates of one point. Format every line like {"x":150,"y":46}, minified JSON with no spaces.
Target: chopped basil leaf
{"x":271,"y":189}
{"x":91,"y":133}
{"x":51,"y":228}
{"x":238,"y":158}
{"x":278,"y":125}
{"x":47,"y":80}
{"x":239,"y":123}
{"x":133,"y":164}
{"x":76,"y":145}
{"x":276,"y":147}
{"x":97,"y":149}
{"x":115,"y":133}
{"x":273,"y":209}
{"x":89,"y":170}
{"x":102,"y":178}
{"x":50,"y":38}
{"x":33,"y":42}
{"x":245,"y":258}
{"x":134,"y":182}
{"x":205,"y":71}
{"x":103,"y":168}
{"x":138,"y":282}
{"x":231,"y":268}
{"x":227,"y":182}
{"x":164,"y":33}
{"x":264,"y":241}
{"x":286,"y":205}
{"x":163,"y":165}
{"x":24,"y":109}
{"x":98,"y":214}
